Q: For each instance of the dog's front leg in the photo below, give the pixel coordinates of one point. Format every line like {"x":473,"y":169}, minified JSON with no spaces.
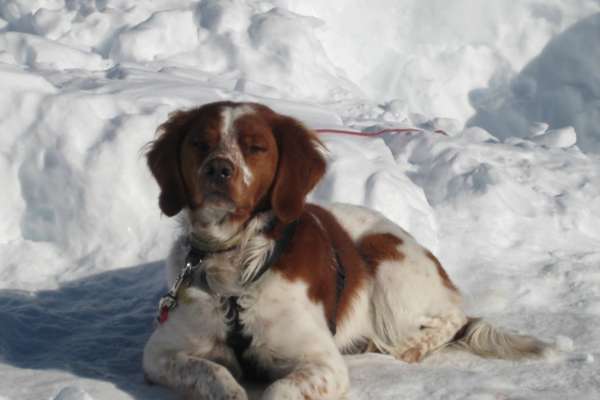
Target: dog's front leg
{"x":195,"y":377}
{"x":187,"y":353}
{"x":199,"y":378}
{"x":291,"y":338}
{"x":316,"y":380}
{"x":312,"y":366}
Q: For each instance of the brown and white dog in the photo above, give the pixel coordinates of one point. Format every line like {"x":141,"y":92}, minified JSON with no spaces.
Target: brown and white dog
{"x":280,"y":286}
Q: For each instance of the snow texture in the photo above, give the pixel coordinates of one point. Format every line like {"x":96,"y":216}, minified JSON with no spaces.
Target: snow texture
{"x":509,"y":200}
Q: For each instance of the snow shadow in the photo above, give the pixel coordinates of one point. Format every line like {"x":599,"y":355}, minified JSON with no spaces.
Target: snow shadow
{"x":560,"y":87}
{"x":94,"y":327}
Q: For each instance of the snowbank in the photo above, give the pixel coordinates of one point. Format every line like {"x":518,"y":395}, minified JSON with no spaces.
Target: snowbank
{"x":512,"y":210}
{"x":560,"y":87}
{"x":425,"y":53}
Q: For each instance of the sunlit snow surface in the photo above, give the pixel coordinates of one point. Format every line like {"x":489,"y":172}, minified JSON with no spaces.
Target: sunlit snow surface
{"x":512,"y":211}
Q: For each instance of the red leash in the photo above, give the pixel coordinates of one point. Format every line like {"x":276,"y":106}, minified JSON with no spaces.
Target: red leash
{"x":377,"y":133}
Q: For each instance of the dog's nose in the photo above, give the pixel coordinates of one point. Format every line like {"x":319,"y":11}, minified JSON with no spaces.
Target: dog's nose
{"x":219,"y":170}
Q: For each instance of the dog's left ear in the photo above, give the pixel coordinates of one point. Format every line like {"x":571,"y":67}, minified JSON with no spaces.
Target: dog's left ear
{"x":301,"y":166}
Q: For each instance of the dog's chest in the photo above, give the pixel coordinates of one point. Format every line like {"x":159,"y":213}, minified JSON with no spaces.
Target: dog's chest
{"x":244,"y":339}
{"x":248,"y":322}
{"x":274,"y":315}
{"x":258,"y":305}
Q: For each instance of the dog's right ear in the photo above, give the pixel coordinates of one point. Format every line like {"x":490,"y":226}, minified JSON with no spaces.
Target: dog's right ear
{"x":164,"y":161}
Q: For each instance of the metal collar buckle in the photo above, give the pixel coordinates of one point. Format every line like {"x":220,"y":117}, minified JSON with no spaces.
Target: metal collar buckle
{"x":185,"y":277}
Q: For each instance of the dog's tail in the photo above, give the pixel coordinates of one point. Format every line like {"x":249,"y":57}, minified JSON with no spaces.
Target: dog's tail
{"x":481,"y":338}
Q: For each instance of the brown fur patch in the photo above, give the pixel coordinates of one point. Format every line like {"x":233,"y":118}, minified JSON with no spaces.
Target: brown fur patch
{"x":380,"y":247}
{"x":301,"y":166}
{"x":163,"y":160}
{"x":352,"y":263}
{"x":445,"y":278}
{"x":311,"y":258}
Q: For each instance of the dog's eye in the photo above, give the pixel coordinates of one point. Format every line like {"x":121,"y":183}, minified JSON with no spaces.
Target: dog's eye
{"x":202,"y":146}
{"x":256,"y":148}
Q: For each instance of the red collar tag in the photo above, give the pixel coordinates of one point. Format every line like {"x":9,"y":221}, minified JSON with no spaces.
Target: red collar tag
{"x":164,"y":315}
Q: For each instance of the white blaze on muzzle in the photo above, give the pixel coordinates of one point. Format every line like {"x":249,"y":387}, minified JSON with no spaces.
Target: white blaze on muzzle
{"x":229,"y":147}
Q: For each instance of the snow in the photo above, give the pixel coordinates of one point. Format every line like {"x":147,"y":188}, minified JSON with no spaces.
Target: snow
{"x":509,"y":199}
{"x":565,"y":137}
{"x":560,"y":86}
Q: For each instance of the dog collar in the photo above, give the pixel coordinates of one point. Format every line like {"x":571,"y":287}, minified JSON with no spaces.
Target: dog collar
{"x":199,"y":249}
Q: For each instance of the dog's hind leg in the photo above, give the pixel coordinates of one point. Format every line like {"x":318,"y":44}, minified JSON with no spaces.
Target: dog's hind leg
{"x":433,"y":333}
{"x":415,"y":308}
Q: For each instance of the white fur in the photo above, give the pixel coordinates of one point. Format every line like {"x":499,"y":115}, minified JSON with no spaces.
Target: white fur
{"x":204,"y":221}
{"x":187,"y":351}
{"x":229,"y":144}
{"x":404,"y":310}
{"x":257,"y":248}
{"x":486,"y":340}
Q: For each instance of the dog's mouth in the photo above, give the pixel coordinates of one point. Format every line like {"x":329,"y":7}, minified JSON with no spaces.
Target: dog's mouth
{"x":215,"y":208}
{"x":218,"y":212}
{"x":218,"y":199}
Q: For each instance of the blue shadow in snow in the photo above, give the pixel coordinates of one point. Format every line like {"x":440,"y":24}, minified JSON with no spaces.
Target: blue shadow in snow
{"x":94,"y":327}
{"x":561,"y":86}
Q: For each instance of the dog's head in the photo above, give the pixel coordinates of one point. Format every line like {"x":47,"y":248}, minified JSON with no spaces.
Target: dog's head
{"x":224,"y":162}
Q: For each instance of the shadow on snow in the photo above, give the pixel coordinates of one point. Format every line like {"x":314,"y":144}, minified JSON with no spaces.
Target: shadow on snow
{"x":94,"y":327}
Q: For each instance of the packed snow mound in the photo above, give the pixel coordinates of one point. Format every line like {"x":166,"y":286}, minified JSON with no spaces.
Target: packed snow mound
{"x":519,"y":195}
{"x":424,"y":52}
{"x":255,"y":47}
{"x":511,"y":207}
{"x":560,"y":87}
{"x":418,"y":53}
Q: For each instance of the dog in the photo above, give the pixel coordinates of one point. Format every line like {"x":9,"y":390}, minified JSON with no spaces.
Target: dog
{"x":263,"y":284}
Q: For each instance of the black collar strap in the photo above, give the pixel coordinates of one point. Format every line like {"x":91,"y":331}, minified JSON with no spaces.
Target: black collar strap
{"x":340,"y":283}
{"x":199,"y":249}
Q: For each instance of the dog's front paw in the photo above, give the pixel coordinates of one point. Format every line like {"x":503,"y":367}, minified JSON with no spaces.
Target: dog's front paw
{"x":283,"y":389}
{"x":215,"y":382}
